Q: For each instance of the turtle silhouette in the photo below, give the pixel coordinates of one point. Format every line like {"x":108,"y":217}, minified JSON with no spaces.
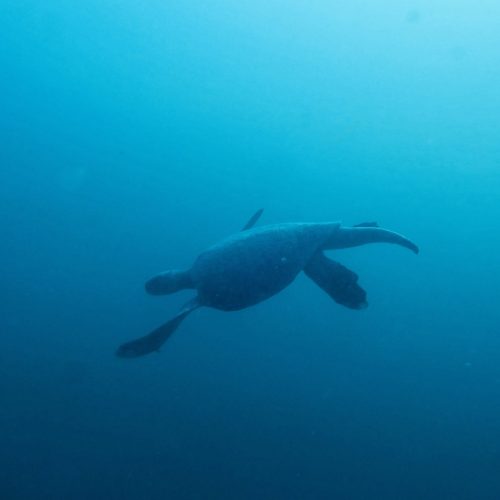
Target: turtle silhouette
{"x":257,"y":263}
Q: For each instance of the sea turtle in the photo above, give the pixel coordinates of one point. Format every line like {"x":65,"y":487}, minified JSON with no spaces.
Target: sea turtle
{"x":256,"y":263}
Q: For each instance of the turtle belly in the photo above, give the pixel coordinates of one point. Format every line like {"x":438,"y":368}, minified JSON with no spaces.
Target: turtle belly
{"x":247,"y":271}
{"x":243,"y":289}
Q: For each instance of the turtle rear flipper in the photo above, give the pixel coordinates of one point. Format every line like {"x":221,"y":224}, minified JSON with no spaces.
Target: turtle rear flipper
{"x":337,"y":281}
{"x":253,"y":220}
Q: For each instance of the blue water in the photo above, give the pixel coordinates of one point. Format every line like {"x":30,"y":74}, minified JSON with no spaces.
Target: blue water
{"x":135,"y":134}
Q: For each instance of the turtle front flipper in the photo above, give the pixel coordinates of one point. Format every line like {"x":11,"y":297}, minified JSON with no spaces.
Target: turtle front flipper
{"x":154,"y":340}
{"x":347,"y":237}
{"x":340,"y":283}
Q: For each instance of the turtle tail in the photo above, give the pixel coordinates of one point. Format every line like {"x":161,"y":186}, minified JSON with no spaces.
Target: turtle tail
{"x":169,"y":282}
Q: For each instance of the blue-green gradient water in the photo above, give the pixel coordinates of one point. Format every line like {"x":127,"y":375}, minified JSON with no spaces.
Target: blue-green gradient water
{"x":135,"y":134}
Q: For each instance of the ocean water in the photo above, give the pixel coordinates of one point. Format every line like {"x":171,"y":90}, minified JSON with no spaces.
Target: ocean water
{"x":135,"y":134}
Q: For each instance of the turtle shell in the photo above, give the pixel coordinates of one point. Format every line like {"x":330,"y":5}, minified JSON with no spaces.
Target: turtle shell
{"x":253,"y":265}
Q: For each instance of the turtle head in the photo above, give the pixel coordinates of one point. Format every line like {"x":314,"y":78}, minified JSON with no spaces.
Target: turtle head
{"x":169,"y":282}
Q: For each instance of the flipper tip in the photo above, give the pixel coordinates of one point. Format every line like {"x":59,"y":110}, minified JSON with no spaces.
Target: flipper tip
{"x":127,"y":351}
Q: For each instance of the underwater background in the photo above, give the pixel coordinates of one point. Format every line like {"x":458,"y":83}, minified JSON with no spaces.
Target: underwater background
{"x":135,"y":134}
